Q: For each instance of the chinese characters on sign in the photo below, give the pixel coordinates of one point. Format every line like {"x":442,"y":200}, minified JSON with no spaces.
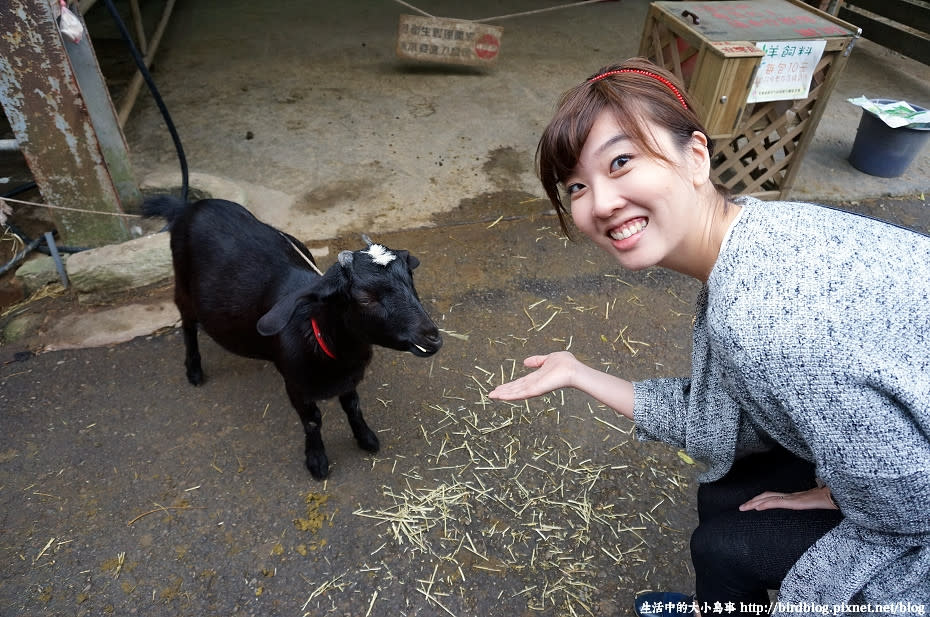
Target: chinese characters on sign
{"x":450,"y":41}
{"x":786,"y":70}
{"x":735,"y":49}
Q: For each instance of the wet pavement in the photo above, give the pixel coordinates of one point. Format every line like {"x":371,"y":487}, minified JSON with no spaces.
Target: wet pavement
{"x":127,"y":491}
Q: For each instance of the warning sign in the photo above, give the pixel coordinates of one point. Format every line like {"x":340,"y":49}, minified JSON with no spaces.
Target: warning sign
{"x":449,"y":41}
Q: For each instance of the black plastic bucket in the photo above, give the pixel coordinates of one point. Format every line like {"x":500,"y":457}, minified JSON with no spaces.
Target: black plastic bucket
{"x":880,"y":150}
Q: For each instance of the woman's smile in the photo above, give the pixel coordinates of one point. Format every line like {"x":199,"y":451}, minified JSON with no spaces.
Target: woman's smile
{"x":628,"y":229}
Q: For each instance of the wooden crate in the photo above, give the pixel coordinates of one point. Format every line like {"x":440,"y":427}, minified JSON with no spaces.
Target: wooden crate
{"x":716,"y":74}
{"x":716,"y":49}
{"x":448,"y":41}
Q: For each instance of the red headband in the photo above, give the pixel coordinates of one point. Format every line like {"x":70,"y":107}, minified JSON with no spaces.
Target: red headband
{"x":667,"y":83}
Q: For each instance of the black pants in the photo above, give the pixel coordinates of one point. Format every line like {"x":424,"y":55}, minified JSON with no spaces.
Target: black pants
{"x":738,"y":556}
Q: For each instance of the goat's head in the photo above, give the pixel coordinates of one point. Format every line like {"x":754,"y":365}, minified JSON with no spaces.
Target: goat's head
{"x":385,"y":305}
{"x":374,"y":290}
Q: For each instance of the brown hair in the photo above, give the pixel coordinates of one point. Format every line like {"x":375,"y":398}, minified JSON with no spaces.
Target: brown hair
{"x":633,"y":91}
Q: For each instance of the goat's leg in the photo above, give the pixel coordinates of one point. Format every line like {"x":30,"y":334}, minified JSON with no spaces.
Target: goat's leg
{"x":315,"y":452}
{"x":310,"y":417}
{"x":366,"y":438}
{"x":191,"y":352}
{"x":189,"y":328}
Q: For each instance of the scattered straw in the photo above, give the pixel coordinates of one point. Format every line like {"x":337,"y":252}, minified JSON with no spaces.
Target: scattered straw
{"x":42,"y":552}
{"x":454,"y":334}
{"x":523,"y":489}
{"x":120,"y":561}
{"x":52,"y":290}
{"x":538,"y":500}
{"x":163,"y":509}
{"x":372,"y":603}
{"x":333,"y":583}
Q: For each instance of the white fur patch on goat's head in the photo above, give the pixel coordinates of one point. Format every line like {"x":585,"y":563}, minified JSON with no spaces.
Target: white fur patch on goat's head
{"x":380,"y":255}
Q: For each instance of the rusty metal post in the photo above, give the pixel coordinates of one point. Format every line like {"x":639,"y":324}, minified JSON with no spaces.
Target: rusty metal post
{"x":67,"y":138}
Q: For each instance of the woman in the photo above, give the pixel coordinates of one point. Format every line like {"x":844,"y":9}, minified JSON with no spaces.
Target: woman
{"x":809,"y":396}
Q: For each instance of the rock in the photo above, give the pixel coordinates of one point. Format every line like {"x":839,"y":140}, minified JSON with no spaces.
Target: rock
{"x":20,"y":327}
{"x":37,"y":272}
{"x":204,"y":185}
{"x":108,"y":273}
{"x":102,"y":327}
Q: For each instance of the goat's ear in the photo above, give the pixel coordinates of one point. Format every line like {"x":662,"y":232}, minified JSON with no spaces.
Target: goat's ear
{"x":412,"y":262}
{"x":345,"y":258}
{"x":333,"y":282}
{"x":280,"y":314}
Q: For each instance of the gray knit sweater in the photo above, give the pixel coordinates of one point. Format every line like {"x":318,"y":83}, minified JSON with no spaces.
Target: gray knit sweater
{"x":813,"y":330}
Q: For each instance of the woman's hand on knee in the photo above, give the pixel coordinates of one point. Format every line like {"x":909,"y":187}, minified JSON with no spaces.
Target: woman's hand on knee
{"x":813,"y":499}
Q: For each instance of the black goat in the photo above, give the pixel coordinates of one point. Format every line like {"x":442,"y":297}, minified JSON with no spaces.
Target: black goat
{"x":256,"y":292}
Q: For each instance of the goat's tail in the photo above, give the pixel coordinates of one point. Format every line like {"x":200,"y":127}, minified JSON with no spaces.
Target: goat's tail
{"x":164,"y":206}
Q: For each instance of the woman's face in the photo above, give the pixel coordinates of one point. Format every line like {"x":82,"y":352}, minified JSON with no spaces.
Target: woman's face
{"x":638,"y":208}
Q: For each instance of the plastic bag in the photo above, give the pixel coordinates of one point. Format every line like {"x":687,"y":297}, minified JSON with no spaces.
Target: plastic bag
{"x":70,"y":25}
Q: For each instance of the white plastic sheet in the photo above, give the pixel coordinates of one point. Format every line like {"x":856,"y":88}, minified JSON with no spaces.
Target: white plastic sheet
{"x":894,"y":113}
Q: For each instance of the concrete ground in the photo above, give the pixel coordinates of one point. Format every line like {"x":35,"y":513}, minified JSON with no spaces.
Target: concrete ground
{"x":126,"y":491}
{"x":155,"y":497}
{"x":302,"y":112}
{"x":305,"y":107}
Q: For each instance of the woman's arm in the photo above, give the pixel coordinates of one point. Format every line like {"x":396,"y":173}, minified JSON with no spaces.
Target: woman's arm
{"x":562,"y":370}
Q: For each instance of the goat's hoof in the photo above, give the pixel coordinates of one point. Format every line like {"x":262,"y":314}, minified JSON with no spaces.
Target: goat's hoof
{"x":318,"y":465}
{"x":369,"y":442}
{"x":195,"y":378}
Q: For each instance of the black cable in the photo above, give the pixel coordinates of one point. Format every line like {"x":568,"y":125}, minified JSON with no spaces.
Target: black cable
{"x":18,"y":257}
{"x":42,"y":248}
{"x":140,"y":63}
{"x":21,"y":189}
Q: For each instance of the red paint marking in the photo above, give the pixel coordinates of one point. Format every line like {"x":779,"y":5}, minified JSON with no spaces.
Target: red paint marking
{"x":487,"y":47}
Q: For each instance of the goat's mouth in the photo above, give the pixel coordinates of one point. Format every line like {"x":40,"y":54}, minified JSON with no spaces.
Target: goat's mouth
{"x":426,"y":347}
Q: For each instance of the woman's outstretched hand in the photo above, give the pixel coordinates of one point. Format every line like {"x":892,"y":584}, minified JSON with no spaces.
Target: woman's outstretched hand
{"x":553,"y":371}
{"x":562,"y":370}
{"x":814,"y":499}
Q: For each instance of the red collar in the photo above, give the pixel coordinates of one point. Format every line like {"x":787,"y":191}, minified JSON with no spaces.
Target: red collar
{"x":319,"y":339}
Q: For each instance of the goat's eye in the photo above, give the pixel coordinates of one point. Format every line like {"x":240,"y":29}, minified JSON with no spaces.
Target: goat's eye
{"x":366,"y":299}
